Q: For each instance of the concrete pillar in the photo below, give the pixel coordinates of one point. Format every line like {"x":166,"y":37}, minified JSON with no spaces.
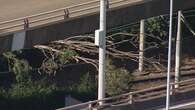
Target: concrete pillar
{"x":18,"y":40}
{"x":141,"y":46}
{"x":178,"y":48}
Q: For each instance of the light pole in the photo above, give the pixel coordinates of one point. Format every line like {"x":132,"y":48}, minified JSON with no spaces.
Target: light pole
{"x":178,"y":51}
{"x":100,"y":40}
{"x":169,"y":57}
{"x":141,"y":45}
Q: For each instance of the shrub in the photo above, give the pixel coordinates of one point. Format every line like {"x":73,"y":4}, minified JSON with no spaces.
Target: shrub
{"x":19,"y":67}
{"x":157,"y":26}
{"x":117,"y":80}
{"x":31,"y":96}
{"x":86,"y":85}
{"x":86,"y":88}
{"x":54,"y":61}
{"x":27,"y":89}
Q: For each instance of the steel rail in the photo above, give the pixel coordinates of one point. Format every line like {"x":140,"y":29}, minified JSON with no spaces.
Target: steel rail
{"x":112,"y":104}
{"x":150,"y":98}
{"x":151,"y":94}
{"x":186,"y":90}
{"x":187,"y":86}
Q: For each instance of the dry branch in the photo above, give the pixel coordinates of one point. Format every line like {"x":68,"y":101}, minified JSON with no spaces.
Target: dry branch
{"x":85,"y":44}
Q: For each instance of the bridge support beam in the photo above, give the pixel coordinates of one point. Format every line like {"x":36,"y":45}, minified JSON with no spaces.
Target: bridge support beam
{"x":141,"y":45}
{"x":178,"y":49}
{"x":18,"y":40}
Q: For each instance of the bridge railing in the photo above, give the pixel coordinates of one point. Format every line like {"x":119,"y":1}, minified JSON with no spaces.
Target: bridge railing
{"x":44,"y":18}
{"x":137,"y":96}
{"x":26,"y":23}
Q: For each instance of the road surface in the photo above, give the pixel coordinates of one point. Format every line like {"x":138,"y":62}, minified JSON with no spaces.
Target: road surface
{"x":12,"y":9}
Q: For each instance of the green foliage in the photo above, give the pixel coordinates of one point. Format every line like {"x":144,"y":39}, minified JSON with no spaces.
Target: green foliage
{"x":66,"y":56}
{"x":157,"y":26}
{"x":19,"y":67}
{"x":56,"y":60}
{"x":31,"y":89}
{"x":85,"y":89}
{"x":49,"y":66}
{"x":2,"y":92}
{"x":31,"y":96}
{"x":117,"y":80}
{"x":85,"y":85}
{"x":69,"y":53}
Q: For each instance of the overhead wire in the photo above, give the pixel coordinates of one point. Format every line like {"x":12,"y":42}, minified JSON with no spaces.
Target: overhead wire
{"x":187,"y":24}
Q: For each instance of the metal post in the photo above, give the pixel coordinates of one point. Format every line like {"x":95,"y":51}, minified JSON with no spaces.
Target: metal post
{"x":66,"y":13}
{"x":177,"y":54}
{"x":171,"y":89}
{"x":26,"y":24}
{"x":130,"y":98}
{"x":102,"y":51}
{"x":169,"y":56}
{"x":90,"y":106}
{"x":141,"y":46}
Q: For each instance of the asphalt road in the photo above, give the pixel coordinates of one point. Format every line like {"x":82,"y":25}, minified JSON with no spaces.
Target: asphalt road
{"x":12,"y":9}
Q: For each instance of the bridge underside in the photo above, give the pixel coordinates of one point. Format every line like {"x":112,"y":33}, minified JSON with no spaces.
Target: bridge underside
{"x":90,"y":22}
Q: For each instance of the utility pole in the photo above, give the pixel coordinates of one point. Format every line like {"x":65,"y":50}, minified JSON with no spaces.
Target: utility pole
{"x":177,"y":54}
{"x":141,"y":45}
{"x":100,"y":40}
{"x":169,"y":56}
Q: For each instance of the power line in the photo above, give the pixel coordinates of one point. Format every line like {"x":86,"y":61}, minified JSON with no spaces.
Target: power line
{"x":187,"y":24}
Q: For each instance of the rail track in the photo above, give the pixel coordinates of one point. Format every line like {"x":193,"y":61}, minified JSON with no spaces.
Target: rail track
{"x":137,"y":96}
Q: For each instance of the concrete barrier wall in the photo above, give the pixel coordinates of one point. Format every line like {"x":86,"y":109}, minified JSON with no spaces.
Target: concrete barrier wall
{"x":6,"y":43}
{"x":88,"y":23}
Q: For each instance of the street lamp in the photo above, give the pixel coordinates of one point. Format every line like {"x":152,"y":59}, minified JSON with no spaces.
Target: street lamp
{"x":100,"y":40}
{"x":169,"y":57}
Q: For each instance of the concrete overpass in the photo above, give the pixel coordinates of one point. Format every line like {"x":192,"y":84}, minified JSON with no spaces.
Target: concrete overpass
{"x":12,"y":9}
{"x":78,"y":17}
